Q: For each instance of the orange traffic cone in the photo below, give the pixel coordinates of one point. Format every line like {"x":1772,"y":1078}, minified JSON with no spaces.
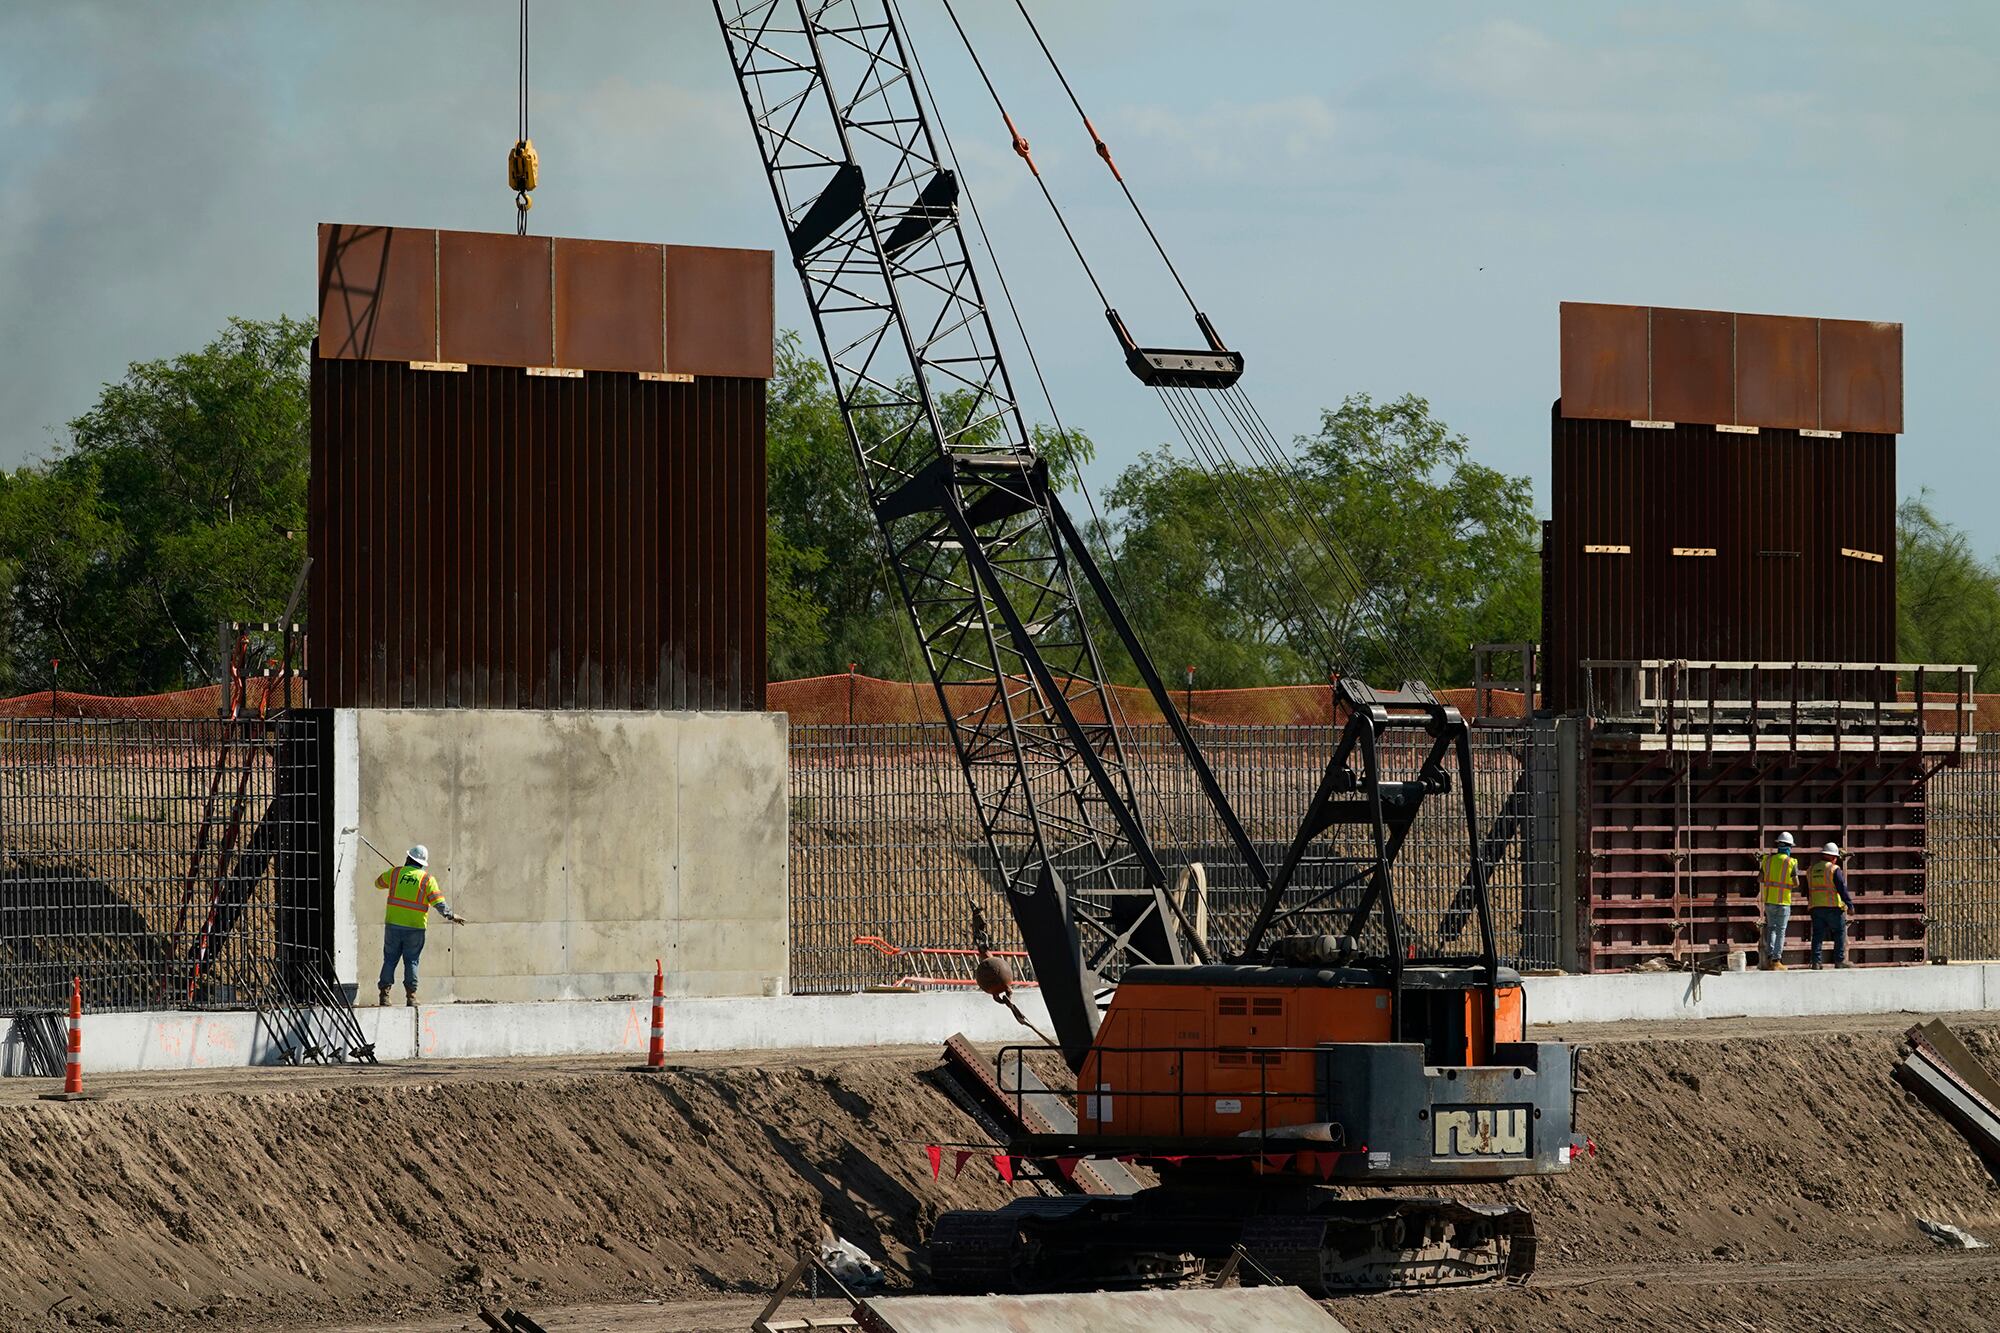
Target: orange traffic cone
{"x":656,"y":1045}
{"x":656,"y":1049}
{"x":73,"y":1063}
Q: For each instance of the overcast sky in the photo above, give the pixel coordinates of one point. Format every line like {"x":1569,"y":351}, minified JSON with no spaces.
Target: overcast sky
{"x":1366,"y":198}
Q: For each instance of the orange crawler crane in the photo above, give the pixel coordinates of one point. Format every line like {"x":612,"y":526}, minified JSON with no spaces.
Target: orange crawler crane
{"x":1341,"y":1039}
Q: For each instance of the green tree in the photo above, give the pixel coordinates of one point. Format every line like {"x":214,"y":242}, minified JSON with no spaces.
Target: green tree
{"x":1947,"y":598}
{"x":1380,"y":548}
{"x":179,"y":500}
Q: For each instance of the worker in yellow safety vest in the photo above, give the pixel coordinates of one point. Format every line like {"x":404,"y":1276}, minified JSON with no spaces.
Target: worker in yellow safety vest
{"x":1779,"y":875}
{"x":413,"y":890}
{"x":1826,"y":892}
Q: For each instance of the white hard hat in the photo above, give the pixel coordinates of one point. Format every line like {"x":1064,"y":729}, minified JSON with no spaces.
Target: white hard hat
{"x":1831,"y":849}
{"x":420,"y":855}
{"x":1784,"y":840}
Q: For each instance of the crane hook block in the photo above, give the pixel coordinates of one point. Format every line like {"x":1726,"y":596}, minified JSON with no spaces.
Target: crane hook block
{"x":1213,"y":367}
{"x":523,"y":166}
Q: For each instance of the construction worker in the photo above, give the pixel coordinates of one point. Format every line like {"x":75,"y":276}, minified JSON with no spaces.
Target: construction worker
{"x":413,"y":891}
{"x":1826,"y":892}
{"x":1779,"y":876}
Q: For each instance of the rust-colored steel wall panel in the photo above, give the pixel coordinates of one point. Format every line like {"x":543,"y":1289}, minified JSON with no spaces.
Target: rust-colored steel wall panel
{"x":413,"y":294}
{"x":1718,"y":368}
{"x":378,"y":292}
{"x":1777,"y":371}
{"x":607,"y":306}
{"x":493,"y":539}
{"x":1605,"y":356}
{"x":1693,"y":366}
{"x":1776,"y":507}
{"x":1861,"y":365}
{"x":494,"y":299}
{"x":718,"y":311}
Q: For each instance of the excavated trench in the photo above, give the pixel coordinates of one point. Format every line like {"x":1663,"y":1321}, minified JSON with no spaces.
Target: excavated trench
{"x":1745,"y":1178}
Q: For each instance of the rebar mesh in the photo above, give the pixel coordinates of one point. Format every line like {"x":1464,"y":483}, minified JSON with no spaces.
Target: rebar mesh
{"x":1962,"y":855}
{"x":884,"y":841}
{"x":168,"y":863}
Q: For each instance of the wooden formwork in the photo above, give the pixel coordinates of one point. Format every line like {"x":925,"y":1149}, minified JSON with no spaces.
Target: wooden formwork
{"x":1667,"y":845}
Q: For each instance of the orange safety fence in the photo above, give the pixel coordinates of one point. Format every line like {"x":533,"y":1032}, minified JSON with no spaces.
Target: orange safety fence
{"x":261,"y":694}
{"x":855,"y":698}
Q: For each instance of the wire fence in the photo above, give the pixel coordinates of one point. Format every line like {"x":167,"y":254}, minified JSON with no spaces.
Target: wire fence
{"x":887,"y":858}
{"x":168,"y":863}
{"x":1962,"y":855}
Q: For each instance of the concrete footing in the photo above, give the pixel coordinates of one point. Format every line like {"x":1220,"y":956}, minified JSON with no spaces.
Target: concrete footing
{"x":117,"y":1043}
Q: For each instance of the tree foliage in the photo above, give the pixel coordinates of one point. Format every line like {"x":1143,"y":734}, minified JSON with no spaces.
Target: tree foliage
{"x":1379,"y":548}
{"x":179,"y":500}
{"x":1947,"y":598}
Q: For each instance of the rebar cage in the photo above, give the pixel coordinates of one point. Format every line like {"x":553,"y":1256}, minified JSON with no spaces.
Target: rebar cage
{"x":168,"y":863}
{"x":884,"y":842}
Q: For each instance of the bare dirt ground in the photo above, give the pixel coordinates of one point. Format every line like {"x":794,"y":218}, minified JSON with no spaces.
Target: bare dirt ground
{"x":1749,"y":1176}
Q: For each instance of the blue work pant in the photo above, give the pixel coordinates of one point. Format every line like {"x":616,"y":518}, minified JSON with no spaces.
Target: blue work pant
{"x":1829,"y":925}
{"x":1777,"y":919}
{"x":405,"y":943}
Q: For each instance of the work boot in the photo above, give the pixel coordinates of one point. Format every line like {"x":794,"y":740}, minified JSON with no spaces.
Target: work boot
{"x":1843,"y":963}
{"x":382,"y":997}
{"x":1779,"y":967}
{"x":409,"y":997}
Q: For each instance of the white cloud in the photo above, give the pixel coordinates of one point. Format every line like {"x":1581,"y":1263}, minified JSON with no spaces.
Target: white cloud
{"x":1239,"y":138}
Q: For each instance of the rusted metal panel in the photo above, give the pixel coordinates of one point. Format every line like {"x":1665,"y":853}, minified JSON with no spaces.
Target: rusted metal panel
{"x":1776,"y":508}
{"x":1693,"y":366}
{"x":1604,"y":360}
{"x":1704,"y":367}
{"x":377,"y":292}
{"x":607,"y":306}
{"x":403,"y":294}
{"x":489,"y":538}
{"x":718,"y":311}
{"x":495,"y":306}
{"x":1777,"y":371}
{"x":1861,"y":371}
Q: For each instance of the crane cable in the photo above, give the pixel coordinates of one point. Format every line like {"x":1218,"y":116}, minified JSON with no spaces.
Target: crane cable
{"x":1241,"y":416}
{"x":523,"y":165}
{"x":1104,"y":151}
{"x":1020,"y":145}
{"x":1247,"y":422}
{"x":1189,"y":426}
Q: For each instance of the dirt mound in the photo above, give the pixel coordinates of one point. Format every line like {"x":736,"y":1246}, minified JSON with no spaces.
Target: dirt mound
{"x":1784,"y":1164}
{"x":392,"y":1194}
{"x":1758,"y":1149}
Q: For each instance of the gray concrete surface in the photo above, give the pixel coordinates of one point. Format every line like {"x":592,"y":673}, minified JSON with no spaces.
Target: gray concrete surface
{"x":581,"y":846}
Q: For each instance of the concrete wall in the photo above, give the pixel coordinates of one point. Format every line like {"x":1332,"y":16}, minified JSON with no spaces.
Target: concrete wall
{"x":114,"y":1043}
{"x":580,"y":845}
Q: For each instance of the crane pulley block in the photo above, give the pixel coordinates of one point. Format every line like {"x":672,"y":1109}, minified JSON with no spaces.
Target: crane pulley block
{"x":1213,"y":367}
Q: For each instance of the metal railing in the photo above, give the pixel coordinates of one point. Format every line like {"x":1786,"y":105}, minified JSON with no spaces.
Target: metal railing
{"x":169,"y":863}
{"x":1832,"y":707}
{"x":884,"y":842}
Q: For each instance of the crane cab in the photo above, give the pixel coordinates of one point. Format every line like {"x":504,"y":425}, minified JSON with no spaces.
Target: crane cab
{"x":1268,"y":1059}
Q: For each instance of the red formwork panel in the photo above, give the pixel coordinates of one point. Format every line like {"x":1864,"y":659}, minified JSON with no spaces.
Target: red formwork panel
{"x":1668,"y":848}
